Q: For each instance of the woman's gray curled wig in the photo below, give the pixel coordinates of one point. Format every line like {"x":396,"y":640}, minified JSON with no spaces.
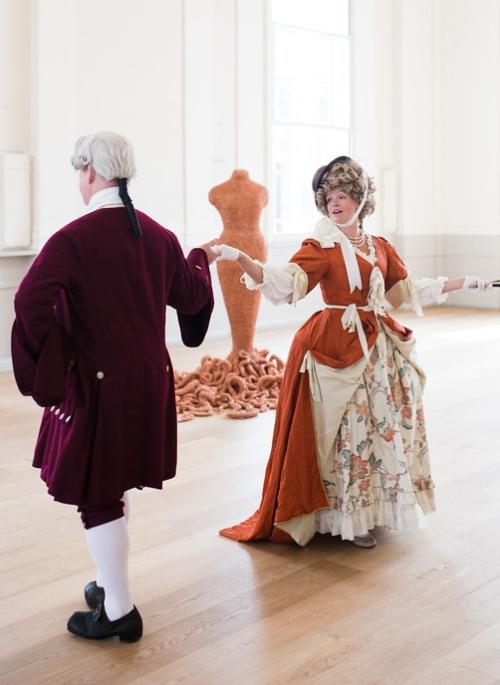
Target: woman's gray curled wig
{"x":111,"y":155}
{"x":350,"y":177}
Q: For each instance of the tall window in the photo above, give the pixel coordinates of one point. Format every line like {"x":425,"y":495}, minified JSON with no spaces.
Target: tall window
{"x":310,"y":102}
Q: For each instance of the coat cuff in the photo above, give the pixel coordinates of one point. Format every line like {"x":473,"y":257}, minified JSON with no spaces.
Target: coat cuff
{"x":194,"y":327}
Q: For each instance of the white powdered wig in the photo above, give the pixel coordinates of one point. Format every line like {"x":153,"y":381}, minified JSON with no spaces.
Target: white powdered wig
{"x":111,"y":155}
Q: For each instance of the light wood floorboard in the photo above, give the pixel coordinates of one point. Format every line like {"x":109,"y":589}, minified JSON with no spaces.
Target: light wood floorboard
{"x":420,"y":608}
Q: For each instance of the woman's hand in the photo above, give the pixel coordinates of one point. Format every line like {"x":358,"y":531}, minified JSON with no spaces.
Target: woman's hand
{"x":211,"y":251}
{"x":227,"y":253}
{"x":467,"y":283}
{"x":476,"y":283}
{"x":249,"y":266}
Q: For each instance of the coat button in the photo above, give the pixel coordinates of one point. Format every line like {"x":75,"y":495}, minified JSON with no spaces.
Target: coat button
{"x":167,"y":368}
{"x":100,"y":375}
{"x":197,"y":267}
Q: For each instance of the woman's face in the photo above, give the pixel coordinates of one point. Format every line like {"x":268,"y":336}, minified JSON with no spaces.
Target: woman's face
{"x":340,"y":206}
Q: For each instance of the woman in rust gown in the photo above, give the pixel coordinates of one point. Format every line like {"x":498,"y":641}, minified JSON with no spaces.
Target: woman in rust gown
{"x":349,"y":450}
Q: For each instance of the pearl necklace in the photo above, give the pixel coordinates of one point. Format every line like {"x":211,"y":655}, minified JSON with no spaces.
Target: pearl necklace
{"x":370,"y":255}
{"x":359,"y":240}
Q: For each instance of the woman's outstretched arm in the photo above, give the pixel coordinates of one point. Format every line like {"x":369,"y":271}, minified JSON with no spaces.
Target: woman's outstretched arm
{"x":249,"y":266}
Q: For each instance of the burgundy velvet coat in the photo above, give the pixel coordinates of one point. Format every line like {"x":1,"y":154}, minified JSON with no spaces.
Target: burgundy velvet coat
{"x":88,"y":343}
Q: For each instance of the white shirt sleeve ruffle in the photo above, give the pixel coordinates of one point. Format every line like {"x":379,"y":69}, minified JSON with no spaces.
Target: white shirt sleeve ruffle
{"x":430,"y":290}
{"x":281,"y":285}
{"x":417,"y":292}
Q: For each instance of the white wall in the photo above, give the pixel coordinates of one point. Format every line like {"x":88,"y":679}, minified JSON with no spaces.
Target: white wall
{"x":14,"y":74}
{"x":53,"y":44}
{"x":427,"y":125}
{"x":449,"y":89}
{"x":469,"y":116}
{"x":130,"y":79}
{"x":375,"y":103}
{"x":15,"y":98}
{"x":187,"y":81}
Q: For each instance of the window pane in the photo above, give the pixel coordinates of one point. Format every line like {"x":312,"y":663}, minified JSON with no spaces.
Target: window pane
{"x":330,"y":16}
{"x":297,"y":152}
{"x":311,"y":78}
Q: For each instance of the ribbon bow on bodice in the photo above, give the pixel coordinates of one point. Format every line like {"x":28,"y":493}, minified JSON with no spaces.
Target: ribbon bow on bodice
{"x":376,"y":303}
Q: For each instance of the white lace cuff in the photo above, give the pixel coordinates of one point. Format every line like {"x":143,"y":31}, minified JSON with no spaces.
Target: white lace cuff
{"x":281,"y":285}
{"x":417,"y":292}
{"x":430,"y":290}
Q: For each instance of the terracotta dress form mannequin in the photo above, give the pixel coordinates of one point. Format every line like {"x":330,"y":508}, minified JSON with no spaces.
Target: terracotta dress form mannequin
{"x":240,"y":202}
{"x":247,"y":382}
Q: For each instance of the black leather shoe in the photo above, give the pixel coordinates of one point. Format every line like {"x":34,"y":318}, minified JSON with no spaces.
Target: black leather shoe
{"x":95,"y":625}
{"x":94,"y":594}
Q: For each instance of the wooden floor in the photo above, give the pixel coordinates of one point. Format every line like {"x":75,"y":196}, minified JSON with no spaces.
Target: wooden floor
{"x":421,"y":608}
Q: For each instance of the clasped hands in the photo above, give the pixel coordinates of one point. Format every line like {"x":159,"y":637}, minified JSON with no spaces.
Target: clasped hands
{"x":219,"y":252}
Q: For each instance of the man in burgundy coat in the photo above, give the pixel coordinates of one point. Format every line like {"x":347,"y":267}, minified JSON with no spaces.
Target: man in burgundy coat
{"x":88,"y":343}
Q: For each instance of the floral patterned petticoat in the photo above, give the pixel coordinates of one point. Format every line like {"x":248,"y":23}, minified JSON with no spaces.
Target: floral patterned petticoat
{"x":380,"y":473}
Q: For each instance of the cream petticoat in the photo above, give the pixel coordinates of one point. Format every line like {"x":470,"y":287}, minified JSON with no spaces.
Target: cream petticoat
{"x":375,"y":468}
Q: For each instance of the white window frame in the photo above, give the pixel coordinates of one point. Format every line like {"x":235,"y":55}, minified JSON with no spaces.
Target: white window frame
{"x":290,"y":238}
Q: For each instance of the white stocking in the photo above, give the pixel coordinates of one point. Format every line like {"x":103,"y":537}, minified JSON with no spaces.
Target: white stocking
{"x":108,"y":546}
{"x":126,"y":513}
